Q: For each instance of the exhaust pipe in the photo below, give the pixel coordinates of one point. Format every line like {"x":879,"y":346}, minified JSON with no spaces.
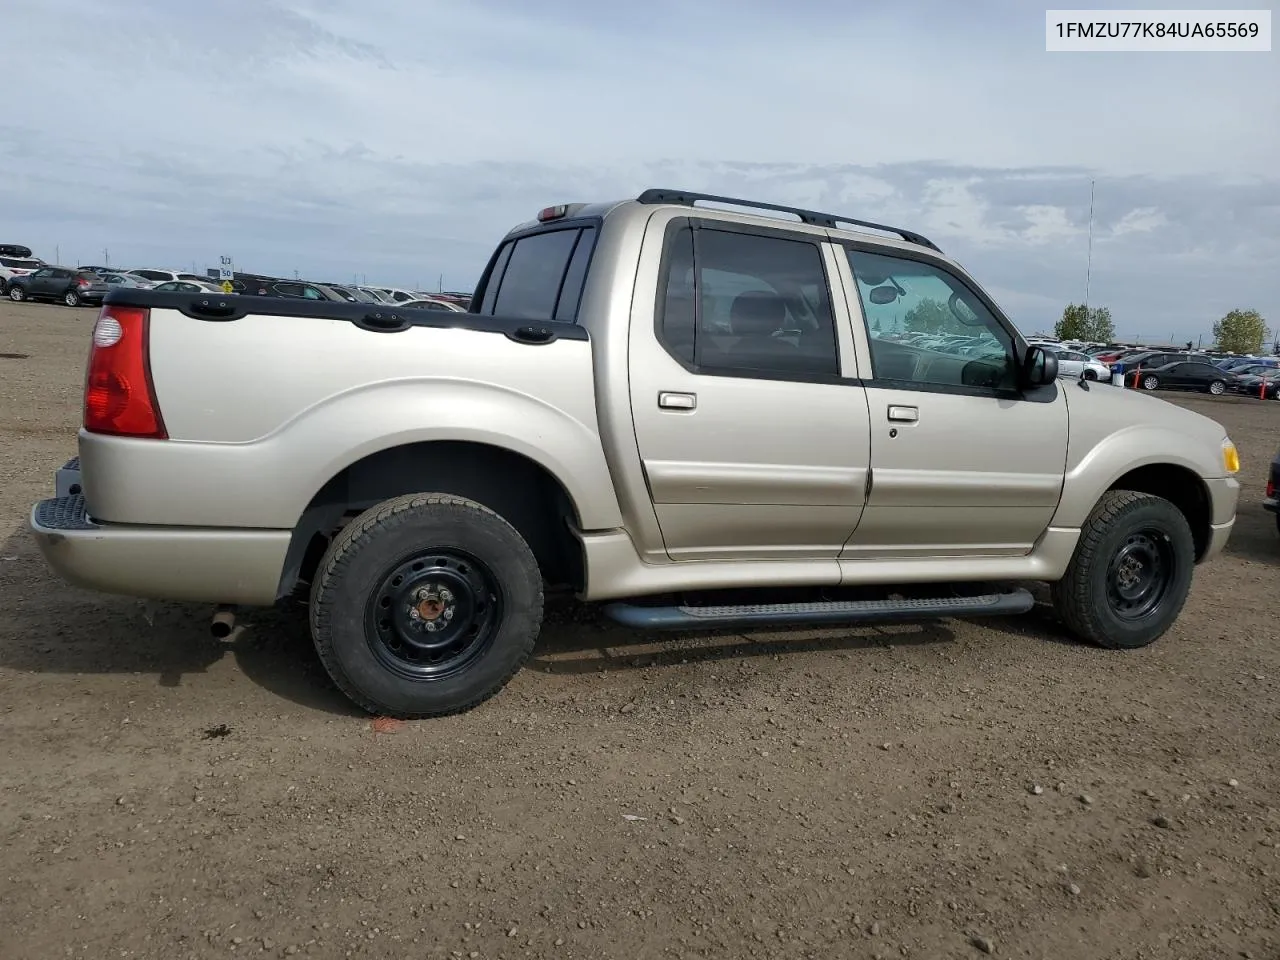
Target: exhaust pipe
{"x":224,"y":621}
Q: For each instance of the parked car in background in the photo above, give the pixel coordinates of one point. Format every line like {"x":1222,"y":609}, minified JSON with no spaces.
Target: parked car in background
{"x":187,"y":286}
{"x":378,"y":296}
{"x":350,"y":294}
{"x":1271,"y":499}
{"x":51,"y":282}
{"x":11,"y":267}
{"x":430,"y":303}
{"x":1256,"y":380}
{"x":302,"y":290}
{"x":126,"y":280}
{"x":1186,"y":375}
{"x":1076,"y":365}
{"x":163,"y":276}
{"x":1127,"y":364}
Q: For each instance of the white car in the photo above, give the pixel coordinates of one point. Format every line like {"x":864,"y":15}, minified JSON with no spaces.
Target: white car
{"x":187,"y":286}
{"x":11,"y":267}
{"x":1075,"y":365}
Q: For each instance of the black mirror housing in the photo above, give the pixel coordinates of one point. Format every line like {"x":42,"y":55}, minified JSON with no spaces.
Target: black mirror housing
{"x":1039,"y":367}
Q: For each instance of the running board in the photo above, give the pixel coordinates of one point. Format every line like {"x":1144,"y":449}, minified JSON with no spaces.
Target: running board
{"x":829,"y":612}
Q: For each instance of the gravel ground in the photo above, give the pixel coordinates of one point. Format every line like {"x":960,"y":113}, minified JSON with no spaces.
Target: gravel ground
{"x":936,"y":791}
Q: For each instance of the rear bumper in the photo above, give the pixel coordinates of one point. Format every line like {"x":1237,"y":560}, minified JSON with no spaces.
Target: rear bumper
{"x":196,"y":564}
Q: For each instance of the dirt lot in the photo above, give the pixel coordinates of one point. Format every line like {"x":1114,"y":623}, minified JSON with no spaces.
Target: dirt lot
{"x":902,"y":792}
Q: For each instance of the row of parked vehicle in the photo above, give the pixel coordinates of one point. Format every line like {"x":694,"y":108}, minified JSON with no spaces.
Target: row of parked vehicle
{"x":1147,"y":368}
{"x":29,"y":278}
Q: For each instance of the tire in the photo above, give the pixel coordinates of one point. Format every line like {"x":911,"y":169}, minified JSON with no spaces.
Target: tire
{"x":1090,"y":375}
{"x":1150,"y":383}
{"x":71,"y":298}
{"x":1090,"y":596}
{"x":16,"y":293}
{"x":370,"y":622}
{"x":1217,"y":388}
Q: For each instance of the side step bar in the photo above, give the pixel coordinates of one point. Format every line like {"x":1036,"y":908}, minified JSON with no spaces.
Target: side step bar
{"x":827,"y":612}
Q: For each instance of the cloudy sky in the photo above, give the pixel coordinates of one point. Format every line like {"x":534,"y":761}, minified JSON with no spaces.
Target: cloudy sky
{"x":399,"y":139}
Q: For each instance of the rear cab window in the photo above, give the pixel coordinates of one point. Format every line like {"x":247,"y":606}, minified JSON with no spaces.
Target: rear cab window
{"x":539,"y":275}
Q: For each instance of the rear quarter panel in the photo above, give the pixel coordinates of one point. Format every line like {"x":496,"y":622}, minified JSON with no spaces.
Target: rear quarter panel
{"x":264,"y":410}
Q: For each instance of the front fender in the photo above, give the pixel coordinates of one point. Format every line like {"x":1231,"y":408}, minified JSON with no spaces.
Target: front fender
{"x":1109,"y":459}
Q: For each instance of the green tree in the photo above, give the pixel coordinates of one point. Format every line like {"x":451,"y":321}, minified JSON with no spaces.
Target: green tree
{"x":928,"y":316}
{"x":1241,"y":331}
{"x":1085,"y":323}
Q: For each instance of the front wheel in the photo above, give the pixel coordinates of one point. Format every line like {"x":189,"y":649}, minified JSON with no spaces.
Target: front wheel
{"x":1090,"y":375}
{"x":17,"y":294}
{"x":1150,"y":383}
{"x":1131,"y":572}
{"x":426,"y":605}
{"x":1217,"y":388}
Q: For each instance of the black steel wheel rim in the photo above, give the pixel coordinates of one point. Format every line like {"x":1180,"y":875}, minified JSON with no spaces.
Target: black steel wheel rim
{"x":1140,"y":573}
{"x":433,"y":614}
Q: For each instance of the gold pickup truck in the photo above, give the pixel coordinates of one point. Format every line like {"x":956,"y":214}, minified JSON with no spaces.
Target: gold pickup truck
{"x":703,"y":417}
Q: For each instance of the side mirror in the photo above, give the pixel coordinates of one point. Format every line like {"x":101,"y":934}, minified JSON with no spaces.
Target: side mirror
{"x":1039,"y":367}
{"x":883,"y":295}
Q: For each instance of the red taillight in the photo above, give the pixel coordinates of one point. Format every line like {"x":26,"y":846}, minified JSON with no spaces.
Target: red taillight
{"x":83,"y":282}
{"x":1271,"y":489}
{"x":119,"y":397}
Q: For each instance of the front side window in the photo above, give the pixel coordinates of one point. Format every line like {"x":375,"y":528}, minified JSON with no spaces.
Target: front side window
{"x":925,"y":326}
{"x":747,"y":303}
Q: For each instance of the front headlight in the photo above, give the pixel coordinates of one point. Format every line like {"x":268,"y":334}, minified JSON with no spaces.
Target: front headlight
{"x":1230,"y":456}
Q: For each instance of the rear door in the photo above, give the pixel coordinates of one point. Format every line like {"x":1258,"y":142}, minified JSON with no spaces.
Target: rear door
{"x":752,"y":432}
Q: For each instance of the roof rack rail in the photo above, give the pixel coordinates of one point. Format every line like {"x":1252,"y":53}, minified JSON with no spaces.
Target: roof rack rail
{"x":811,"y":217}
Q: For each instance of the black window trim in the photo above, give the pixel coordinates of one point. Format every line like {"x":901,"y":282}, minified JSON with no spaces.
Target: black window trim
{"x":671,"y":232}
{"x":487,"y":277}
{"x":1041,"y":394}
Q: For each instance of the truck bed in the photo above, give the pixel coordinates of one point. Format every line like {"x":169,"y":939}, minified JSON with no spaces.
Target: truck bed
{"x":265,"y":399}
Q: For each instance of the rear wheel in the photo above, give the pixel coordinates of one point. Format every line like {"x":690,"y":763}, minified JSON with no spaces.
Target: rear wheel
{"x":426,"y":605}
{"x":71,"y":298}
{"x":1150,"y":383}
{"x":1131,"y":572}
{"x":1217,"y":388}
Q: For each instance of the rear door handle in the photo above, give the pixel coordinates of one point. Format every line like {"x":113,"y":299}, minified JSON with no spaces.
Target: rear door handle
{"x":904,"y":414}
{"x":677,"y":401}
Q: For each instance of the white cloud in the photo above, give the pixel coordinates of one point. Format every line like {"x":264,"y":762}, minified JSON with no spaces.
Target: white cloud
{"x":395,"y":138}
{"x":1142,"y":220}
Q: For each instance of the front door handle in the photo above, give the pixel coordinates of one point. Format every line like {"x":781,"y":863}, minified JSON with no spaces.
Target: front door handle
{"x":904,"y":414}
{"x":677,"y":401}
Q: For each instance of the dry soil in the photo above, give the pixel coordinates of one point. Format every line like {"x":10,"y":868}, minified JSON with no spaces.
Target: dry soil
{"x":931,"y":791}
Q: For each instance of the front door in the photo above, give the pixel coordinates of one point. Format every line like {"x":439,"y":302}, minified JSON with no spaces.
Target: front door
{"x":754,"y":444}
{"x":41,"y":282}
{"x":963,"y":462}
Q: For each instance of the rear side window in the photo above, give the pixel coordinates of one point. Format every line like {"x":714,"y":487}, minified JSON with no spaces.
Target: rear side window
{"x":540,"y":276}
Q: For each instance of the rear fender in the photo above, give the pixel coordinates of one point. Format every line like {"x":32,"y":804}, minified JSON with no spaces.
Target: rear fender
{"x":407,"y":412}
